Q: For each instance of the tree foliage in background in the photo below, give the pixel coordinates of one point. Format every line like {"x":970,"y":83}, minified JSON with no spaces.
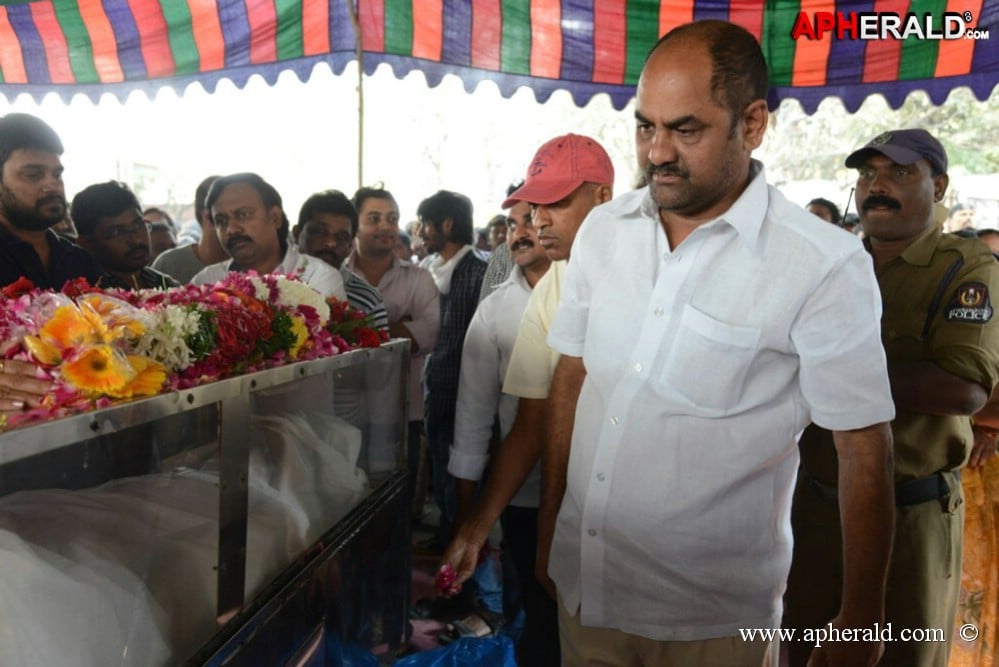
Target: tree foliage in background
{"x":806,"y":147}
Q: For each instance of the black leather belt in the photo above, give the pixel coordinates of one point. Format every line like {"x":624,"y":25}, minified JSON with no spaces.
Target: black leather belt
{"x":913,"y":492}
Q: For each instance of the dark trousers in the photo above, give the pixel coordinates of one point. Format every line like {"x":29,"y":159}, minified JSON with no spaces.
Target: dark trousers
{"x":440,"y":435}
{"x":538,"y":645}
{"x":924,"y":574}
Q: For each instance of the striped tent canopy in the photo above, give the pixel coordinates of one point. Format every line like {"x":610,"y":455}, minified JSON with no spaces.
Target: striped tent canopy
{"x":583,"y":46}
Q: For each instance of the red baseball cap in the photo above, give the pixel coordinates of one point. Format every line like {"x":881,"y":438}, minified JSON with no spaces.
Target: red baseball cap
{"x":559,"y":167}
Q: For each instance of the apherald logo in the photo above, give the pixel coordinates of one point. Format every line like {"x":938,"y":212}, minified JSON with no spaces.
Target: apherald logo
{"x":885,"y":25}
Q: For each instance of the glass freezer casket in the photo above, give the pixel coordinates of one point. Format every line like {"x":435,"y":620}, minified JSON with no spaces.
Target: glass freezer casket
{"x":252,"y":520}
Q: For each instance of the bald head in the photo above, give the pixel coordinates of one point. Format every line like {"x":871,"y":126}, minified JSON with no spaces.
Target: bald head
{"x":695,"y":134}
{"x":738,"y":68}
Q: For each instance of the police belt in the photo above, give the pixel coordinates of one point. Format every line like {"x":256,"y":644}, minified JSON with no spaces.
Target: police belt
{"x":913,"y":492}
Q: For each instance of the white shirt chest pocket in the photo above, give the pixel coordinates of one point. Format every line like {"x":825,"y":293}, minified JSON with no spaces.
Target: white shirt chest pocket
{"x":708,"y":362}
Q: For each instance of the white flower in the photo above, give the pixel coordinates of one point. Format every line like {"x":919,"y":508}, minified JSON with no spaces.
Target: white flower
{"x":263,"y":291}
{"x":294,"y":293}
{"x":164,"y":338}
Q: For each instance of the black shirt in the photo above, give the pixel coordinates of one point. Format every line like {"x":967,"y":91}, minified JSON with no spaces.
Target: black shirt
{"x":67,"y":261}
{"x":147,"y":278}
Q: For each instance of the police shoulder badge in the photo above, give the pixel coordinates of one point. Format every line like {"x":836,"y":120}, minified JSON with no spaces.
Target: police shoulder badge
{"x":969,"y":304}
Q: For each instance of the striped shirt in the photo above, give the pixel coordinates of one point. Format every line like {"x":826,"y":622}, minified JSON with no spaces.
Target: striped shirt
{"x":360,"y":294}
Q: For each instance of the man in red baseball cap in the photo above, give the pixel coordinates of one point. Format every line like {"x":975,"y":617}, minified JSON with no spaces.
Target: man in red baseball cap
{"x":568,"y":177}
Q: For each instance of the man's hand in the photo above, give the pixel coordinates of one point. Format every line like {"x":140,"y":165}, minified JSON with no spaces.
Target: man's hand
{"x":398,"y":329}
{"x":546,"y":533}
{"x":462,"y":554}
{"x":984,"y":447}
{"x":20,"y":387}
{"x":846,"y":653}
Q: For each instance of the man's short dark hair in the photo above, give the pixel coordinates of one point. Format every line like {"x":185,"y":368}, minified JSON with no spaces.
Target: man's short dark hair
{"x":268,"y":194}
{"x":445,"y":204}
{"x":981,"y":233}
{"x":833,"y":209}
{"x":370,"y":192}
{"x":24,"y":131}
{"x":101,"y":200}
{"x":200,"y":195}
{"x":157,"y":210}
{"x":739,"y":70}
{"x":332,"y":202}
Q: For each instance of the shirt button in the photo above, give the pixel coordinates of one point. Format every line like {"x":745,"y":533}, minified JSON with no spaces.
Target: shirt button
{"x":591,"y":532}
{"x":638,"y":368}
{"x":600,"y":477}
{"x":665,"y":256}
{"x":659,"y":312}
{"x":615,"y":420}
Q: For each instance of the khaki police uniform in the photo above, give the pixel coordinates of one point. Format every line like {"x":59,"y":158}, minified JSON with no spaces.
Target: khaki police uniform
{"x":937,"y":307}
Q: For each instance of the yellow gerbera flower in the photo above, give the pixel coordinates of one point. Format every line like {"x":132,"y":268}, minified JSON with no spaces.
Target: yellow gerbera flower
{"x":148,"y":380}
{"x":44,"y":352}
{"x":98,"y":369}
{"x":301,"y":335}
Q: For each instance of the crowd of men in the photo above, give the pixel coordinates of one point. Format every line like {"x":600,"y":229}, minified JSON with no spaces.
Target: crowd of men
{"x":716,"y":412}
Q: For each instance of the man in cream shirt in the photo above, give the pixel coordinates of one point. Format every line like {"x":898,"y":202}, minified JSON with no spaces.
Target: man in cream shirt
{"x":567,"y":178}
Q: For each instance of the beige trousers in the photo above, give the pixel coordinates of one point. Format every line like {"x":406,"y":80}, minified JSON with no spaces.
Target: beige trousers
{"x":606,"y":647}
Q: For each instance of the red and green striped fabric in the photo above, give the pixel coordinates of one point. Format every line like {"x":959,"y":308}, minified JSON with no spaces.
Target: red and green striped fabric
{"x":584,"y":46}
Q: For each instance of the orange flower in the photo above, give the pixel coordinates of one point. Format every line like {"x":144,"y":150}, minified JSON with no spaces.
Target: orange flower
{"x":99,"y":370}
{"x":148,"y":380}
{"x":115,"y":316}
{"x":72,"y":327}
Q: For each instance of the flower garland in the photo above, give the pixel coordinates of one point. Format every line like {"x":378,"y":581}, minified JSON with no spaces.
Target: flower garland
{"x":99,"y":345}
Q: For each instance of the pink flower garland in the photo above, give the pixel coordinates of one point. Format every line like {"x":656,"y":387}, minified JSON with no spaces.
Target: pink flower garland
{"x":200,"y":333}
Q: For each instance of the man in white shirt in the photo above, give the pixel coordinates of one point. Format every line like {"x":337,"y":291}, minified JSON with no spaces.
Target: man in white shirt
{"x":702,"y":326}
{"x":253,"y":229}
{"x":488,"y":344}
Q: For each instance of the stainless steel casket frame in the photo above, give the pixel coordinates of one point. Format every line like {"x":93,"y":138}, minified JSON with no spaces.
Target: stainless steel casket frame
{"x":350,"y":587}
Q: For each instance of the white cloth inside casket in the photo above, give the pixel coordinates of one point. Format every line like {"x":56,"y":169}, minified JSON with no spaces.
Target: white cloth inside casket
{"x":123,"y":574}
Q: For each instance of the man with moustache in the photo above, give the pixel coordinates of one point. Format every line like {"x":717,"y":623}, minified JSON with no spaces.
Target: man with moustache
{"x":253,"y":228}
{"x":183,"y":262}
{"x":112,"y":228}
{"x":32,"y":200}
{"x":568,"y":176}
{"x":942,"y":344}
{"x":686,"y":374}
{"x":484,"y":359}
{"x":327,"y":224}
